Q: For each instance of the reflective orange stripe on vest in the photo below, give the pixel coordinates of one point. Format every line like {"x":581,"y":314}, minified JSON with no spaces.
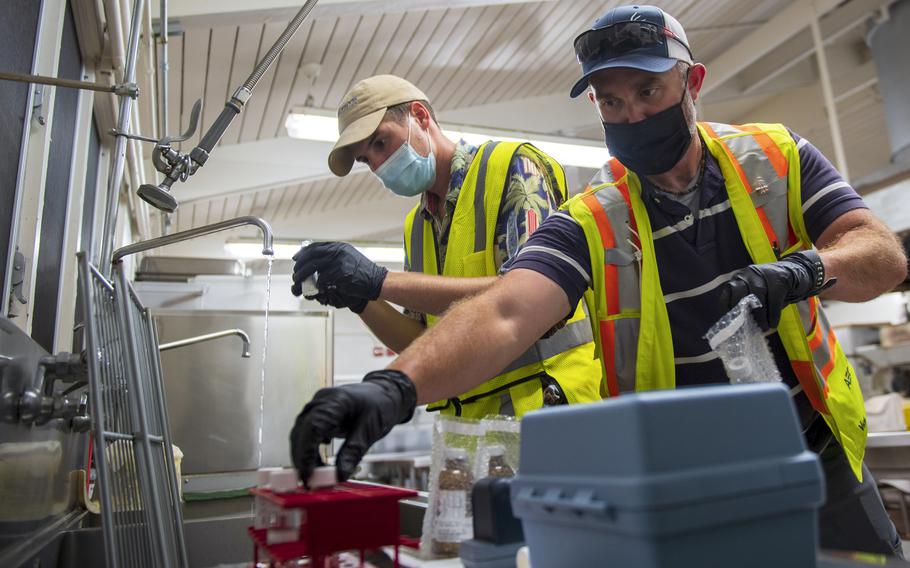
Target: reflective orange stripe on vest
{"x":769,"y":230}
{"x":619,"y":174}
{"x":822,"y":348}
{"x":778,"y":161}
{"x":611,"y":287}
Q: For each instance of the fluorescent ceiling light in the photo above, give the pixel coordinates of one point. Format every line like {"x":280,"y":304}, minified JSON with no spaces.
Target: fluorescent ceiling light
{"x":567,"y":151}
{"x":312,"y":127}
{"x":251,"y":250}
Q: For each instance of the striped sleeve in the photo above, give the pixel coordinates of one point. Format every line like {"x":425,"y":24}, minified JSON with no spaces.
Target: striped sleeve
{"x":826,"y":195}
{"x":559,"y":251}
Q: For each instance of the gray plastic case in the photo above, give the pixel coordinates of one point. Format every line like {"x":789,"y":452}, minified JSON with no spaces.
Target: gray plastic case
{"x":698,"y":477}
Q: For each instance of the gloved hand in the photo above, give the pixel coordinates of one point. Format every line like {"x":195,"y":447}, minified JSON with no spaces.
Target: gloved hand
{"x":362,"y":413}
{"x":347,"y":279}
{"x":778,"y":284}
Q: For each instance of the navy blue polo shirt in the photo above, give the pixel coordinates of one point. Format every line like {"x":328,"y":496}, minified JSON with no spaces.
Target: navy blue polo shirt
{"x":697,"y":249}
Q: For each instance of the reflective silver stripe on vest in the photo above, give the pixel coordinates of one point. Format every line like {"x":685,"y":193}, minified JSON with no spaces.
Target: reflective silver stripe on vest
{"x":769,"y":189}
{"x":626,"y":351}
{"x":625,"y":329}
{"x":415,"y":258}
{"x":571,"y":336}
{"x":822,"y":354}
{"x":480,"y":190}
{"x":603,"y":175}
{"x":628,"y":272}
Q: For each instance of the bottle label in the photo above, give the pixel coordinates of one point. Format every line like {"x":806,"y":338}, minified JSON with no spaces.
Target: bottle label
{"x":451,"y":515}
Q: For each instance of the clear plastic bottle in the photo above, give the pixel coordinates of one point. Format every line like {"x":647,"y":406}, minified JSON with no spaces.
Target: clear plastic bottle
{"x":264,"y":508}
{"x":453,"y":498}
{"x":498,"y":466}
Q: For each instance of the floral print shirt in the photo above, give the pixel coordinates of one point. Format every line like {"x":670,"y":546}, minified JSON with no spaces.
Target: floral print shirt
{"x":529,"y":197}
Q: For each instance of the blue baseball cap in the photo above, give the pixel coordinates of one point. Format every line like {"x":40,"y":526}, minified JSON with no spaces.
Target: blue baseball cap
{"x":636,"y":36}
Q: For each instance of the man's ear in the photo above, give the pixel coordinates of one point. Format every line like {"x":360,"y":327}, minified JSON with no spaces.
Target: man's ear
{"x":421,"y":115}
{"x":696,"y":79}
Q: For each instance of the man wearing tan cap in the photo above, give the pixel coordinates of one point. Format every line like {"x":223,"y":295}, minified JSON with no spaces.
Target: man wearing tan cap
{"x":477,"y":207}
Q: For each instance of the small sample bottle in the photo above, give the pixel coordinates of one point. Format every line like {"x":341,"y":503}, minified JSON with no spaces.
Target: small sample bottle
{"x":322,"y":478}
{"x":284,"y":524}
{"x":498,"y":466}
{"x":264,"y":507}
{"x":453,"y":498}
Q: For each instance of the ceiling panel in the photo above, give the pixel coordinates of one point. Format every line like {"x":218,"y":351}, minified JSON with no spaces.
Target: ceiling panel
{"x":195,"y":70}
{"x":337,"y":47}
{"x":251,"y":117}
{"x":527,"y":34}
{"x":560,"y":68}
{"x":528,"y":68}
{"x":217,"y":86}
{"x":287,"y":74}
{"x":354,"y":52}
{"x":243,"y":59}
{"x":380,"y":42}
{"x":175,"y":85}
{"x":431,"y":28}
{"x":456,"y":25}
{"x":469,"y":70}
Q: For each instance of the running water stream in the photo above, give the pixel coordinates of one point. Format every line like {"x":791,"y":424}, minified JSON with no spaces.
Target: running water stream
{"x":265,"y":350}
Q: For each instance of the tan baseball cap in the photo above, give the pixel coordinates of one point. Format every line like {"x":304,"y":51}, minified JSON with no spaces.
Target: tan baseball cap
{"x":360,"y":112}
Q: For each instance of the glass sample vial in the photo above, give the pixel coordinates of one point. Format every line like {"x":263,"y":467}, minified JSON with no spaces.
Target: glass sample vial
{"x":498,"y":466}
{"x":453,"y":498}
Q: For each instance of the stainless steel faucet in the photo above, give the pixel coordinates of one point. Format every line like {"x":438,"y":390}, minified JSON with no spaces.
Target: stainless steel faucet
{"x":209,"y":336}
{"x":198,"y":232}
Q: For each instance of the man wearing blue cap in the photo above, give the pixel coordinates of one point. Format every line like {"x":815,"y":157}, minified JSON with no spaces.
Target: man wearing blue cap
{"x":684,"y":221}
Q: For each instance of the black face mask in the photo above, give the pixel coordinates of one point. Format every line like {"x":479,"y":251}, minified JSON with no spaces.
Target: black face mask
{"x":651,"y":146}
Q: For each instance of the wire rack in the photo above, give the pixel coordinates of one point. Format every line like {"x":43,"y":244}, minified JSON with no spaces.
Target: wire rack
{"x":142,"y":522}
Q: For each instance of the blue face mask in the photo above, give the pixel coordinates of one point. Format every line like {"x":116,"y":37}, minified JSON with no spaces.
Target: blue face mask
{"x":407,"y":173}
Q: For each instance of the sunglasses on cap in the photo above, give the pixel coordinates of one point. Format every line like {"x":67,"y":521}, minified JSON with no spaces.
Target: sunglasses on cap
{"x":622,"y":38}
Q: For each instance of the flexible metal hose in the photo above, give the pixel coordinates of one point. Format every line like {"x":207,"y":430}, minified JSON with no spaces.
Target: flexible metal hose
{"x":276,"y":49}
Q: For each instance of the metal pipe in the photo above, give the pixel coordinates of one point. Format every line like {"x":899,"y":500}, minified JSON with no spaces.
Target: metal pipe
{"x":208,"y":337}
{"x":123,"y":125}
{"x":825,"y":76}
{"x":136,"y":175}
{"x":172,"y":471}
{"x":119,"y":89}
{"x":162,"y":30}
{"x":198,"y":232}
{"x":115,"y":32}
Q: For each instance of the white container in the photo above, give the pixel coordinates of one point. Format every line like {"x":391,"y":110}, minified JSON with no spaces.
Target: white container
{"x":283,"y":480}
{"x":325,"y":476}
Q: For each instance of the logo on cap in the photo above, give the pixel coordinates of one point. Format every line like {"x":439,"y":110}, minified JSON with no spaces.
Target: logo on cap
{"x":348,"y":104}
{"x":636,"y":16}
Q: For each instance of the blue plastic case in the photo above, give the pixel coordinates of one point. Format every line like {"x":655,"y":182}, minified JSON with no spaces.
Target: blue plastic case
{"x":696,"y":477}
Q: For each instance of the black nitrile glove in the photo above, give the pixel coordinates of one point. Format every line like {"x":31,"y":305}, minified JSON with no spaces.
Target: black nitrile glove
{"x":362,"y":413}
{"x":778,"y":284}
{"x":346,"y":278}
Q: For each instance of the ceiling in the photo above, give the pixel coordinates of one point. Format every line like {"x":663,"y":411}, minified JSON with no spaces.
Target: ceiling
{"x":499,"y":64}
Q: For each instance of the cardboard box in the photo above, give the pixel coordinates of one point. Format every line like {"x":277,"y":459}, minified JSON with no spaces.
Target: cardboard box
{"x":891,"y":335}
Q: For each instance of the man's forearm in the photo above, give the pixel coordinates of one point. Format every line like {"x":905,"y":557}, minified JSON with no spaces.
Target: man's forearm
{"x":867,"y":261}
{"x":479,"y":337}
{"x":429,"y":294}
{"x":394,"y":329}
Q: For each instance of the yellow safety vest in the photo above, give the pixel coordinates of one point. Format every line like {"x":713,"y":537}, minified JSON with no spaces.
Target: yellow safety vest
{"x":566,"y":360}
{"x":760,"y":165}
